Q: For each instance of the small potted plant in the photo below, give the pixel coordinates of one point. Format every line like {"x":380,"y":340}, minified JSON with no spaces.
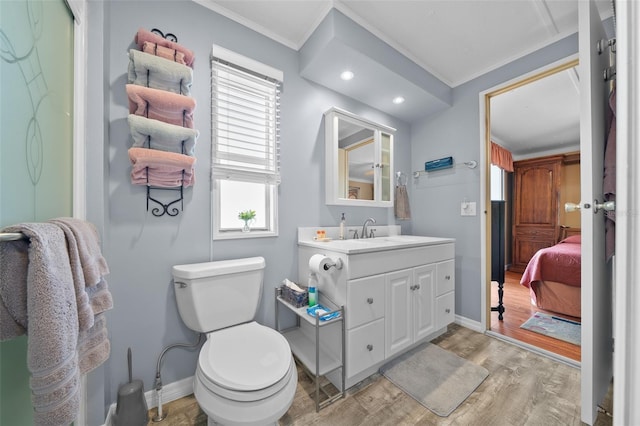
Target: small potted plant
{"x":246,"y":215}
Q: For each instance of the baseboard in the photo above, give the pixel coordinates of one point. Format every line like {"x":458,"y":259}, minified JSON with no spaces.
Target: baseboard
{"x":468,"y":323}
{"x":170,"y":392}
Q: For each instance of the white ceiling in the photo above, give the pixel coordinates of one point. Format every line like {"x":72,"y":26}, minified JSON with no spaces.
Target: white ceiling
{"x":453,"y":40}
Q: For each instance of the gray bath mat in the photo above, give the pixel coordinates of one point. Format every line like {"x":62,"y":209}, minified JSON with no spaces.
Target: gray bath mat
{"x":436,"y":378}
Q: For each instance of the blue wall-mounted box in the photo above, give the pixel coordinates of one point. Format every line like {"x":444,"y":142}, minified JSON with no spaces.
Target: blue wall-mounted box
{"x":442,"y":163}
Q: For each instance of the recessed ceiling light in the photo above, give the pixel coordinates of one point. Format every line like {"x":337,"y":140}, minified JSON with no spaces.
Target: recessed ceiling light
{"x":398,"y":100}
{"x":346,"y":75}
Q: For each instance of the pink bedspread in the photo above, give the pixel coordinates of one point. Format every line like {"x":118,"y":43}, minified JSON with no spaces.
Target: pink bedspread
{"x":560,"y":263}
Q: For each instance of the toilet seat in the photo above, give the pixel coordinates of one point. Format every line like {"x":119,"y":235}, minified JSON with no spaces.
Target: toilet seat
{"x":246,"y":362}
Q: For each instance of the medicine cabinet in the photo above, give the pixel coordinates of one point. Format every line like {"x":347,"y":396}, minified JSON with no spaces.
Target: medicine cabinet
{"x":358,"y":160}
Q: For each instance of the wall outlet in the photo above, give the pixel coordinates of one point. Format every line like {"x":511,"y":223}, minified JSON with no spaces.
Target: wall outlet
{"x":468,"y":208}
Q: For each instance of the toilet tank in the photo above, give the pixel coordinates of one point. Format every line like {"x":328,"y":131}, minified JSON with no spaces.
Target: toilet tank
{"x":215,"y":295}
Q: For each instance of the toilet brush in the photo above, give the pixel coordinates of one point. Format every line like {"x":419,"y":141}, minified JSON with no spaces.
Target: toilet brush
{"x":131,"y":408}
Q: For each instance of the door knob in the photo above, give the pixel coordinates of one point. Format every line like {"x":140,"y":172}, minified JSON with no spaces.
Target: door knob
{"x":370,"y":300}
{"x":369,"y":347}
{"x":608,"y":206}
{"x":571,"y":207}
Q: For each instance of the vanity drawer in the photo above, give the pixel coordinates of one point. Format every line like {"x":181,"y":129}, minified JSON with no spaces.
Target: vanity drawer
{"x":365,"y":300}
{"x":446,"y":277}
{"x":365,"y":347}
{"x":445,"y":309}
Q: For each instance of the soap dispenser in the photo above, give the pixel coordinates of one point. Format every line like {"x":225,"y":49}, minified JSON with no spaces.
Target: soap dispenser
{"x":342,"y":225}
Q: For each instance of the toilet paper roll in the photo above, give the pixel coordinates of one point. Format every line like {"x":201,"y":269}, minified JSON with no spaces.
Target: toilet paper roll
{"x":319,"y":263}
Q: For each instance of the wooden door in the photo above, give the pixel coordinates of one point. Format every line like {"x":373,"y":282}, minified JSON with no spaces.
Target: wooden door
{"x":536,"y":190}
{"x":597,"y":350}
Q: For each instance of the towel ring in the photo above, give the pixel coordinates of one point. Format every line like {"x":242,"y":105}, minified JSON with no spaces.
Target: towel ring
{"x":399,"y":180}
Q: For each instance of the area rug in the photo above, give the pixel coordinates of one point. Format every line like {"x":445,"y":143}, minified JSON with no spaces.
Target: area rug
{"x":436,"y":378}
{"x":556,"y":327}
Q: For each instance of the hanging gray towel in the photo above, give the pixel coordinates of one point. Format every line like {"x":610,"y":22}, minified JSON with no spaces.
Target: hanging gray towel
{"x":402,"y":208}
{"x":37,"y":291}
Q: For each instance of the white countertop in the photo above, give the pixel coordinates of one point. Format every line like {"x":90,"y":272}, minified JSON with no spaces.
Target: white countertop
{"x":365,"y":245}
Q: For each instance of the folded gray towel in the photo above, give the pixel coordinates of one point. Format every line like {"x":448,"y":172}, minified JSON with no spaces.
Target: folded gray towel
{"x":156,"y":134}
{"x":93,"y":345}
{"x":94,"y":265}
{"x":158,"y":73}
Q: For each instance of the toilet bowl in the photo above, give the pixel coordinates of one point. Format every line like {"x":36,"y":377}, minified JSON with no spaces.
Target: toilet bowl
{"x":245,"y":373}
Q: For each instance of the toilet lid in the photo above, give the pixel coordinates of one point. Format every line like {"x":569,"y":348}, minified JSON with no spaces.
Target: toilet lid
{"x":245,"y":357}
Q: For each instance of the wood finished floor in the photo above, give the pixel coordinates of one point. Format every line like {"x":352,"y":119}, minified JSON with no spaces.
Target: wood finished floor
{"x":518,"y":309}
{"x":523,"y":388}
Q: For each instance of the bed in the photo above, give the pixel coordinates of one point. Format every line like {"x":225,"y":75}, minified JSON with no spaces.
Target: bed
{"x":553,"y":277}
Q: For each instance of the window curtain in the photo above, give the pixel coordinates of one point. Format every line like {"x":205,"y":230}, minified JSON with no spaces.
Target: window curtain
{"x":501,"y":157}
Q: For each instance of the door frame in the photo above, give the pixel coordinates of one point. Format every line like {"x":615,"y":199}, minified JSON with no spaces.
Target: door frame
{"x":78,"y":9}
{"x":485,"y":176}
{"x":626,"y":385}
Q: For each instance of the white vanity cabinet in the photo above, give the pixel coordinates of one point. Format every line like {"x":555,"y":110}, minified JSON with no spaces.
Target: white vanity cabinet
{"x":394,"y":297}
{"x":445,"y":296}
{"x":365,"y":338}
{"x":410,"y":313}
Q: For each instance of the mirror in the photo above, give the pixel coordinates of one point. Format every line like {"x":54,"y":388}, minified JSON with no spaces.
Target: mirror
{"x":358,"y":160}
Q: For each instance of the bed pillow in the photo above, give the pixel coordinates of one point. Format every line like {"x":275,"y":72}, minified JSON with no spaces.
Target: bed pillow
{"x":574,"y":239}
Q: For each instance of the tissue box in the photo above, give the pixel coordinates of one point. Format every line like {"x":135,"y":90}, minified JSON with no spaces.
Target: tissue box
{"x":295,"y":298}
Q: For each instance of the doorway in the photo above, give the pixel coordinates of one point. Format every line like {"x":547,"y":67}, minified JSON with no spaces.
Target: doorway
{"x":517,"y":121}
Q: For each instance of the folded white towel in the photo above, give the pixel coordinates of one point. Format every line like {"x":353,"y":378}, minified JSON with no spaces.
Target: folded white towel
{"x":159,"y":73}
{"x":156,"y":134}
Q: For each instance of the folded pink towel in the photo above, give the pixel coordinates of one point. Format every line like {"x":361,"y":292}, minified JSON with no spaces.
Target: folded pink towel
{"x":163,"y":52}
{"x":144,"y":35}
{"x":159,"y":168}
{"x":161,"y":105}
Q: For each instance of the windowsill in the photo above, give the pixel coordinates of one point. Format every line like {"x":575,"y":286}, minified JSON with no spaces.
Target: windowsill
{"x":243,"y":235}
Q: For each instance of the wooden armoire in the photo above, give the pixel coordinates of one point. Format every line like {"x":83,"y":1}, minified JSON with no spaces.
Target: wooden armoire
{"x":535,"y":207}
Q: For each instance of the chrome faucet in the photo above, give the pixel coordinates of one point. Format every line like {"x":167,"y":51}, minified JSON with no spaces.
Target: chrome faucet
{"x":363,"y":234}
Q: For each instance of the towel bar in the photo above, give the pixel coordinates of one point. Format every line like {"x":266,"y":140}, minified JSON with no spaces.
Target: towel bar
{"x":12,"y":236}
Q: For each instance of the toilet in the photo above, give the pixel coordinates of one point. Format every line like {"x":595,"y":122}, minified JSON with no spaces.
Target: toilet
{"x":246,"y":374}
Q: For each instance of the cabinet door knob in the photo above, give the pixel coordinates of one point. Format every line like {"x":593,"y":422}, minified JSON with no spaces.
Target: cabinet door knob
{"x":369,"y":347}
{"x":417,"y":286}
{"x":370,"y":300}
{"x":448,"y":277}
{"x":447,"y":310}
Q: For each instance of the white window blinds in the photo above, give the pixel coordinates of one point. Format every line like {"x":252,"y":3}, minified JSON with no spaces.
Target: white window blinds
{"x":245,"y":116}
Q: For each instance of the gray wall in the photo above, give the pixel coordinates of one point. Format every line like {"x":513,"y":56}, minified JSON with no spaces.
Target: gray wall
{"x":438,"y":195}
{"x":141,"y":248}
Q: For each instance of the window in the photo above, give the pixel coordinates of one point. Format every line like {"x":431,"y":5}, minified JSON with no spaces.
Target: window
{"x":497,"y":183}
{"x":245,"y":144}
